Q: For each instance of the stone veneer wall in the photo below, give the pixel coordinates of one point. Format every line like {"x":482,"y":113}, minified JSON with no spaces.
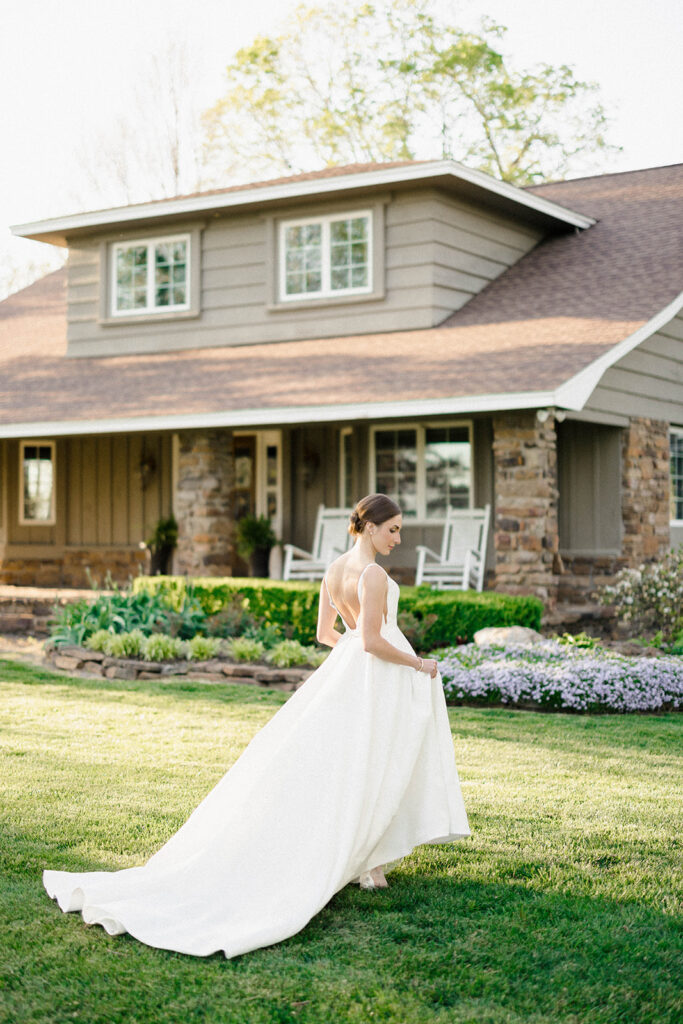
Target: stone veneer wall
{"x":646,"y":490}
{"x":203,"y":503}
{"x":525,"y":486}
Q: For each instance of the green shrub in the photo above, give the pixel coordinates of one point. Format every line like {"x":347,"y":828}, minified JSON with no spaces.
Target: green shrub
{"x":289,"y":606}
{"x":439,"y":617}
{"x":125,"y":645}
{"x":288,"y":653}
{"x":460,"y":614}
{"x":201,"y":648}
{"x":120,"y":611}
{"x":315,"y":656}
{"x":98,"y":641}
{"x":243,"y":648}
{"x":159,"y":647}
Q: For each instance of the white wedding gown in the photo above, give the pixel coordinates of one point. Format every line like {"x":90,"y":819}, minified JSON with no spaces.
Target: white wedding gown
{"x":354,"y":771}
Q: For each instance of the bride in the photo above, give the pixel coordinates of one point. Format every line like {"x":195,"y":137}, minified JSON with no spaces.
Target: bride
{"x":348,"y":777}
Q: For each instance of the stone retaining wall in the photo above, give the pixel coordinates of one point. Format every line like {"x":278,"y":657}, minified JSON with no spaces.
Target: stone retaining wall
{"x":217,"y":670}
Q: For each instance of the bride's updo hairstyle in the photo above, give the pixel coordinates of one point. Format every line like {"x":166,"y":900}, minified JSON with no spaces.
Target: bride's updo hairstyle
{"x":373,"y":508}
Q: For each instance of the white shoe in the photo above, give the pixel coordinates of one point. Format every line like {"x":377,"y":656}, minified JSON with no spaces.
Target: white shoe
{"x":367,"y":881}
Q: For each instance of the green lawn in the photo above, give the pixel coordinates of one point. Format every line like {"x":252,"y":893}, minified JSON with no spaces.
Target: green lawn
{"x":561,"y":908}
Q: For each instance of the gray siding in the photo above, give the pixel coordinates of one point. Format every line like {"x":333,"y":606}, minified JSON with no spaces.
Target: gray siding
{"x":648,"y":381}
{"x":438,"y":253}
{"x":589,"y":478}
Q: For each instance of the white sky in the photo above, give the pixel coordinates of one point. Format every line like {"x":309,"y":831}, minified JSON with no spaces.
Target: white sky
{"x":61,"y":60}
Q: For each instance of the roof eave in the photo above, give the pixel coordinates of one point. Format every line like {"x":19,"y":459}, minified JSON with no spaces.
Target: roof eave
{"x":447,"y":172}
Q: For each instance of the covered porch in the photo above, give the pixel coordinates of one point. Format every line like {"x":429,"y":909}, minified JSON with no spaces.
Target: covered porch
{"x":572,"y":499}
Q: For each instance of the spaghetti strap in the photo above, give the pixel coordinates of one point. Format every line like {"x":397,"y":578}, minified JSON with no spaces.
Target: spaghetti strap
{"x":360,"y":578}
{"x":329,"y":595}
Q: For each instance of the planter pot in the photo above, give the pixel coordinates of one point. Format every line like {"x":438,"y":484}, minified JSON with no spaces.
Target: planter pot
{"x":161,"y":559}
{"x":258,"y":562}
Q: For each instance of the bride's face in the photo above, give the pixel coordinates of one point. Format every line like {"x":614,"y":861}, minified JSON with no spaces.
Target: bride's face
{"x":387,"y":535}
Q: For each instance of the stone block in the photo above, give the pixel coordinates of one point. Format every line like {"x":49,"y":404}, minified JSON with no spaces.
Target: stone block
{"x":66,"y":662}
{"x":120,"y":672}
{"x":95,"y":668}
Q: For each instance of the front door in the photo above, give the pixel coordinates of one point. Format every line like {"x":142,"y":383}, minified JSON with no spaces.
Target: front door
{"x":258,"y":486}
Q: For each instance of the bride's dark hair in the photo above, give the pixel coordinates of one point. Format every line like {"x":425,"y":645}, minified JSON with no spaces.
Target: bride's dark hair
{"x":373,"y":508}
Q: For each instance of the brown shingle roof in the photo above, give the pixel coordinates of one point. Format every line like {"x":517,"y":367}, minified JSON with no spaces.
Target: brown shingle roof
{"x":558,"y":309}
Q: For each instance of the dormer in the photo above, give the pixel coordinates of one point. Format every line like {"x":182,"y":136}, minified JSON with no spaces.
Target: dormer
{"x":349,"y":251}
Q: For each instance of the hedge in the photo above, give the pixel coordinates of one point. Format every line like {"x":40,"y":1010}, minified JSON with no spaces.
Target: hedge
{"x":459,"y":614}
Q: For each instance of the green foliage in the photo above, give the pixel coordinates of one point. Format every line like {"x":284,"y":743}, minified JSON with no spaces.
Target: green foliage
{"x":159,"y":647}
{"x":288,"y":653}
{"x":254,"y":532}
{"x":125,"y":645}
{"x":578,"y":640}
{"x":243,"y":648}
{"x":457,"y":615}
{"x":315,"y":656}
{"x":202,"y":648}
{"x":117,"y":612}
{"x":290,"y":607}
{"x":395,"y":80}
{"x":165,"y":534}
{"x":98,"y":641}
{"x":436,"y":618}
{"x":415,"y":628}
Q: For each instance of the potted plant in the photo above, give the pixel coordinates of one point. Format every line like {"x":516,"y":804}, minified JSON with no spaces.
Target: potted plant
{"x":255,"y":538}
{"x":161,"y":545}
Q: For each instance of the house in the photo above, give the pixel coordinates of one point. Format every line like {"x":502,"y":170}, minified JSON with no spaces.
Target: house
{"x":416,"y":328}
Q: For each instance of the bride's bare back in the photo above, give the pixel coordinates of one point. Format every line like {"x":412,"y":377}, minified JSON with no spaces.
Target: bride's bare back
{"x":341,"y":582}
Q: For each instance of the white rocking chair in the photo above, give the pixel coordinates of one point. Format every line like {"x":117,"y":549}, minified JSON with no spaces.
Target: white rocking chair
{"x":331,"y":539}
{"x":462,"y":562}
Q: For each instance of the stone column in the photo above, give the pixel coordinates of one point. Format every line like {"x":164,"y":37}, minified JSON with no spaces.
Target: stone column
{"x":646,"y":490}
{"x":203,"y":505}
{"x":525,"y":486}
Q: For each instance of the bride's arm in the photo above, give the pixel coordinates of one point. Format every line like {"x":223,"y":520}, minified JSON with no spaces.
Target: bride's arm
{"x":327,"y":616}
{"x":370,"y":622}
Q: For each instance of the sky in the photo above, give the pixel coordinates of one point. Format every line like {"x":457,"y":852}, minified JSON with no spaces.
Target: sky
{"x":62,"y":61}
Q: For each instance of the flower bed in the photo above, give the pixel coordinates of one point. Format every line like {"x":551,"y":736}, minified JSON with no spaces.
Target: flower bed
{"x":553,"y":676}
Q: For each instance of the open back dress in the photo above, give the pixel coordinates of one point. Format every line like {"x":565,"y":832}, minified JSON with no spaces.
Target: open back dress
{"x":354,"y":771}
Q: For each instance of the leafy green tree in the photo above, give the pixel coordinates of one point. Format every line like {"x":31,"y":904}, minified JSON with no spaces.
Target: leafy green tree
{"x":393,"y":80}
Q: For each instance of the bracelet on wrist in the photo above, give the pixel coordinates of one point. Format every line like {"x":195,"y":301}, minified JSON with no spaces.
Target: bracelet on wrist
{"x":421,"y":668}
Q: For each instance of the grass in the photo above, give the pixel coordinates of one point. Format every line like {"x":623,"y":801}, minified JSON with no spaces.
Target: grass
{"x":560,"y":909}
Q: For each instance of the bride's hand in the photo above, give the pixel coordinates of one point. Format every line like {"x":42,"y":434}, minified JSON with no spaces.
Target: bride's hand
{"x":430,"y":666}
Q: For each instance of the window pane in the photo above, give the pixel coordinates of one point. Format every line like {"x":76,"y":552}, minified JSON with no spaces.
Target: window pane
{"x":447,"y":469}
{"x":37,"y":483}
{"x":677,"y":476}
{"x":340,"y":279}
{"x":271,"y":465}
{"x":396,"y":467}
{"x":131,"y":275}
{"x":170,"y":266}
{"x":303,"y":259}
{"x":349,"y":253}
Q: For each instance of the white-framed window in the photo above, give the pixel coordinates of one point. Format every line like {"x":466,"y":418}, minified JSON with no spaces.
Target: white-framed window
{"x":323,"y":257}
{"x":150,"y":275}
{"x":676,"y":442}
{"x":37,"y":477}
{"x":426,"y":468}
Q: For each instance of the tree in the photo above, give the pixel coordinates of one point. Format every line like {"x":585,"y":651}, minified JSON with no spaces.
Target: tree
{"x":152,"y":148}
{"x":393,"y":80}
